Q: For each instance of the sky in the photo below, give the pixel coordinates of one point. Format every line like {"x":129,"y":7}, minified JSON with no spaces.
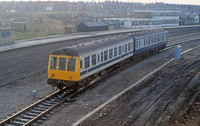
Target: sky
{"x":191,"y":2}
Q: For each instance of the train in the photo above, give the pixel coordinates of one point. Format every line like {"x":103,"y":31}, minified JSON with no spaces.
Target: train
{"x":77,"y":65}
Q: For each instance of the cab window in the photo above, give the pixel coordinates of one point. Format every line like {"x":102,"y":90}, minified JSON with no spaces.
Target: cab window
{"x":71,"y":64}
{"x":62,"y":63}
{"x":54,"y":61}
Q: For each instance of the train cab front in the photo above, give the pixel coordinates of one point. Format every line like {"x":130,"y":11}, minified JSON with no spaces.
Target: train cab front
{"x":63,"y":71}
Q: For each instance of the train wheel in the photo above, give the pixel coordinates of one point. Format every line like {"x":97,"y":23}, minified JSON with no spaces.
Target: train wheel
{"x":60,"y":85}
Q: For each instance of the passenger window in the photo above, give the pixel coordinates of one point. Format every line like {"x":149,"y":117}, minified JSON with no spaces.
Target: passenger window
{"x":155,"y":39}
{"x":87,"y":62}
{"x":151,"y":40}
{"x":101,"y":56}
{"x":136,"y":44}
{"x":98,"y":58}
{"x":94,"y":60}
{"x":105,"y":55}
{"x":129,"y":46}
{"x":54,"y":61}
{"x":71,"y":64}
{"x":148,"y":41}
{"x":125,"y":47}
{"x":139,"y":43}
{"x":62,"y":63}
{"x":158,"y":40}
{"x":120,"y":50}
{"x":110,"y":53}
{"x":115,"y":51}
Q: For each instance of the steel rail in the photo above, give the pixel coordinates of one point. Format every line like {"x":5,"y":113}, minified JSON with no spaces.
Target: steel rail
{"x":186,"y":42}
{"x":27,"y":108}
{"x":49,"y":109}
{"x":181,"y":36}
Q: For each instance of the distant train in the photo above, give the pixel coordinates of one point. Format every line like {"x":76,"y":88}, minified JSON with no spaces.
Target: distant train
{"x":78,"y":65}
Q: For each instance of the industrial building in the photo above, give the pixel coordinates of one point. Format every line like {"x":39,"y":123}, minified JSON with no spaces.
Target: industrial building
{"x":148,"y":18}
{"x":91,"y":26}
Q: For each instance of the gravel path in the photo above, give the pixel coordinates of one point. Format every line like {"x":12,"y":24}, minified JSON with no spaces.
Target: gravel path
{"x":24,"y":70}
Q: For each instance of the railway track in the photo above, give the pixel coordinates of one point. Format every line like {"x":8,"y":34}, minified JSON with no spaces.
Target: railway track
{"x":185,"y":42}
{"x":183,"y":36}
{"x":41,"y":110}
{"x":36,"y":111}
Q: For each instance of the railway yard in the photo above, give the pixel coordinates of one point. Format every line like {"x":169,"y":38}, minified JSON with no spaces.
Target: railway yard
{"x":168,"y":97}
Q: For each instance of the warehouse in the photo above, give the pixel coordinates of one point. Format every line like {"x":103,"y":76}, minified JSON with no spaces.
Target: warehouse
{"x":7,"y":36}
{"x":91,"y":26}
{"x":148,"y":18}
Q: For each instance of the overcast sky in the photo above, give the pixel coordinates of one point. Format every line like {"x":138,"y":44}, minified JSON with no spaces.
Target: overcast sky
{"x":192,"y":2}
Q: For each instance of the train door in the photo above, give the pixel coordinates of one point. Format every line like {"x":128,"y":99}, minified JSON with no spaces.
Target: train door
{"x":98,"y":58}
{"x":133,"y":45}
{"x":81,"y":64}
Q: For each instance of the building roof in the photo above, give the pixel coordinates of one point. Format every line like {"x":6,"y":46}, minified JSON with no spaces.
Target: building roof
{"x":85,"y":18}
{"x":20,"y":22}
{"x":191,"y":15}
{"x":133,"y":19}
{"x":109,"y":22}
{"x":155,"y":11}
{"x":99,"y":15}
{"x":3,"y":29}
{"x":94,"y":24}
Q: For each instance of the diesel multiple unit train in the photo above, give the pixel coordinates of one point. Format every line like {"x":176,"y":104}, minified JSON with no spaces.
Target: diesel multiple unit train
{"x":79,"y":64}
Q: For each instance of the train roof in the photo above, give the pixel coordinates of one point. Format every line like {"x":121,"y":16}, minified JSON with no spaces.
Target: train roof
{"x":81,"y":49}
{"x":147,"y":33}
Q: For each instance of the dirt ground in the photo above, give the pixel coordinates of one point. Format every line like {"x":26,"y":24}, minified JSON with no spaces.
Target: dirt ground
{"x":24,"y":70}
{"x":164,"y":99}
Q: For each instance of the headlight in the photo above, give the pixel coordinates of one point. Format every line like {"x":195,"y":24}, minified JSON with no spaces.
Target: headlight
{"x":70,"y":76}
{"x":52,"y":75}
